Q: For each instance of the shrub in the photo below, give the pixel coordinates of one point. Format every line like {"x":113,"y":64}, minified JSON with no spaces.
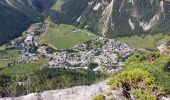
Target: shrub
{"x":99,"y":97}
{"x":140,"y":95}
{"x":137,"y":78}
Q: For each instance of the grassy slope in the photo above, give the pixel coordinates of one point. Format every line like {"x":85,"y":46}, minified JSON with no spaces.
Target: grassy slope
{"x":147,"y":75}
{"x":65,"y":36}
{"x":2,"y":47}
{"x":11,"y":55}
{"x":67,"y":11}
{"x":158,"y":67}
{"x":147,"y":42}
{"x":22,"y":67}
{"x":25,"y":68}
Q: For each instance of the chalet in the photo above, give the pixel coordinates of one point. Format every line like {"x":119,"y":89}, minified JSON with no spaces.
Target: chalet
{"x":29,"y":39}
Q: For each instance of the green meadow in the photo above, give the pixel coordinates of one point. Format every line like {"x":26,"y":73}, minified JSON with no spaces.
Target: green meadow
{"x":147,"y":42}
{"x":9,"y":56}
{"x":65,"y":36}
{"x":22,"y":67}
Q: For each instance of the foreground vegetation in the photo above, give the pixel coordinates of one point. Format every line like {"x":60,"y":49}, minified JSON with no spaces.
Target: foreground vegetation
{"x":146,"y":77}
{"x":46,"y":79}
{"x":65,"y":36}
{"x":154,"y":63}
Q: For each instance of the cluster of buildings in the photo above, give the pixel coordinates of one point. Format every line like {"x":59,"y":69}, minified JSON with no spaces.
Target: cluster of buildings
{"x":28,"y":47}
{"x":33,"y":34}
{"x":30,"y":34}
{"x":100,"y":54}
{"x":28,"y":57}
{"x":108,"y":56}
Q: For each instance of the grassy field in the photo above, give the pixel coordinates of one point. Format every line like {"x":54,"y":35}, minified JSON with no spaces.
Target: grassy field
{"x":147,"y":42}
{"x":25,"y":68}
{"x":4,"y":64}
{"x":65,"y":36}
{"x":2,"y":47}
{"x":9,"y":54}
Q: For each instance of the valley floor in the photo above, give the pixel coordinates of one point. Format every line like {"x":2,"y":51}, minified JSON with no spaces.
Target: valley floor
{"x":50,"y":56}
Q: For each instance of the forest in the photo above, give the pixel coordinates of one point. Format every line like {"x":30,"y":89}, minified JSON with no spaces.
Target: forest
{"x":46,"y":79}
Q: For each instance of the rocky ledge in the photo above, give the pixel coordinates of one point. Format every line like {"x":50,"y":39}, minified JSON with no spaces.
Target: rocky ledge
{"x":74,"y":93}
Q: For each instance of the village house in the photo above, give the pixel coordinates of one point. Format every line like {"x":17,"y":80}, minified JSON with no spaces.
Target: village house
{"x":29,"y":38}
{"x":28,"y":57}
{"x":107,"y":55}
{"x":42,"y":50}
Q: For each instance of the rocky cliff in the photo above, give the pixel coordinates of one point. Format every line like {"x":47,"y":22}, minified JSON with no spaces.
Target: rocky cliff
{"x":75,"y":93}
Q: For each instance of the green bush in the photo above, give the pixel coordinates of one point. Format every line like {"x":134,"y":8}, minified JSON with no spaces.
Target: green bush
{"x":135,"y":79}
{"x":99,"y":97}
{"x":140,"y":95}
{"x":145,"y":76}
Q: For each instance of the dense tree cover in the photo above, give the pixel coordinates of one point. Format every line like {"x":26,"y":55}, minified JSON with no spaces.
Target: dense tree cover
{"x":146,"y":75}
{"x":13,"y":23}
{"x":46,"y":79}
{"x":42,"y":5}
{"x":16,"y":21}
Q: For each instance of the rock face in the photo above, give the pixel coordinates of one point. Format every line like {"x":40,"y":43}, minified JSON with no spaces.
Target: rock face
{"x":75,"y":93}
{"x":113,"y":18}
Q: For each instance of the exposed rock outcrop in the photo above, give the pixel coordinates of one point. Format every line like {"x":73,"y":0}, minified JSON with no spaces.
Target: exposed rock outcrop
{"x":74,"y":93}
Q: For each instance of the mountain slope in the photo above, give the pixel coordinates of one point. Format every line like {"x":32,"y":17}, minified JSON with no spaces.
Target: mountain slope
{"x":67,"y":11}
{"x":113,"y":18}
{"x":109,"y":18}
{"x":17,"y":15}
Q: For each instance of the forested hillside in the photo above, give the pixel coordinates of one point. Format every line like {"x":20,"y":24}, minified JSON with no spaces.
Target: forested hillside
{"x":117,"y":18}
{"x":45,"y":79}
{"x":12,"y":23}
{"x":109,"y":18}
{"x":16,"y":16}
{"x":114,"y":18}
